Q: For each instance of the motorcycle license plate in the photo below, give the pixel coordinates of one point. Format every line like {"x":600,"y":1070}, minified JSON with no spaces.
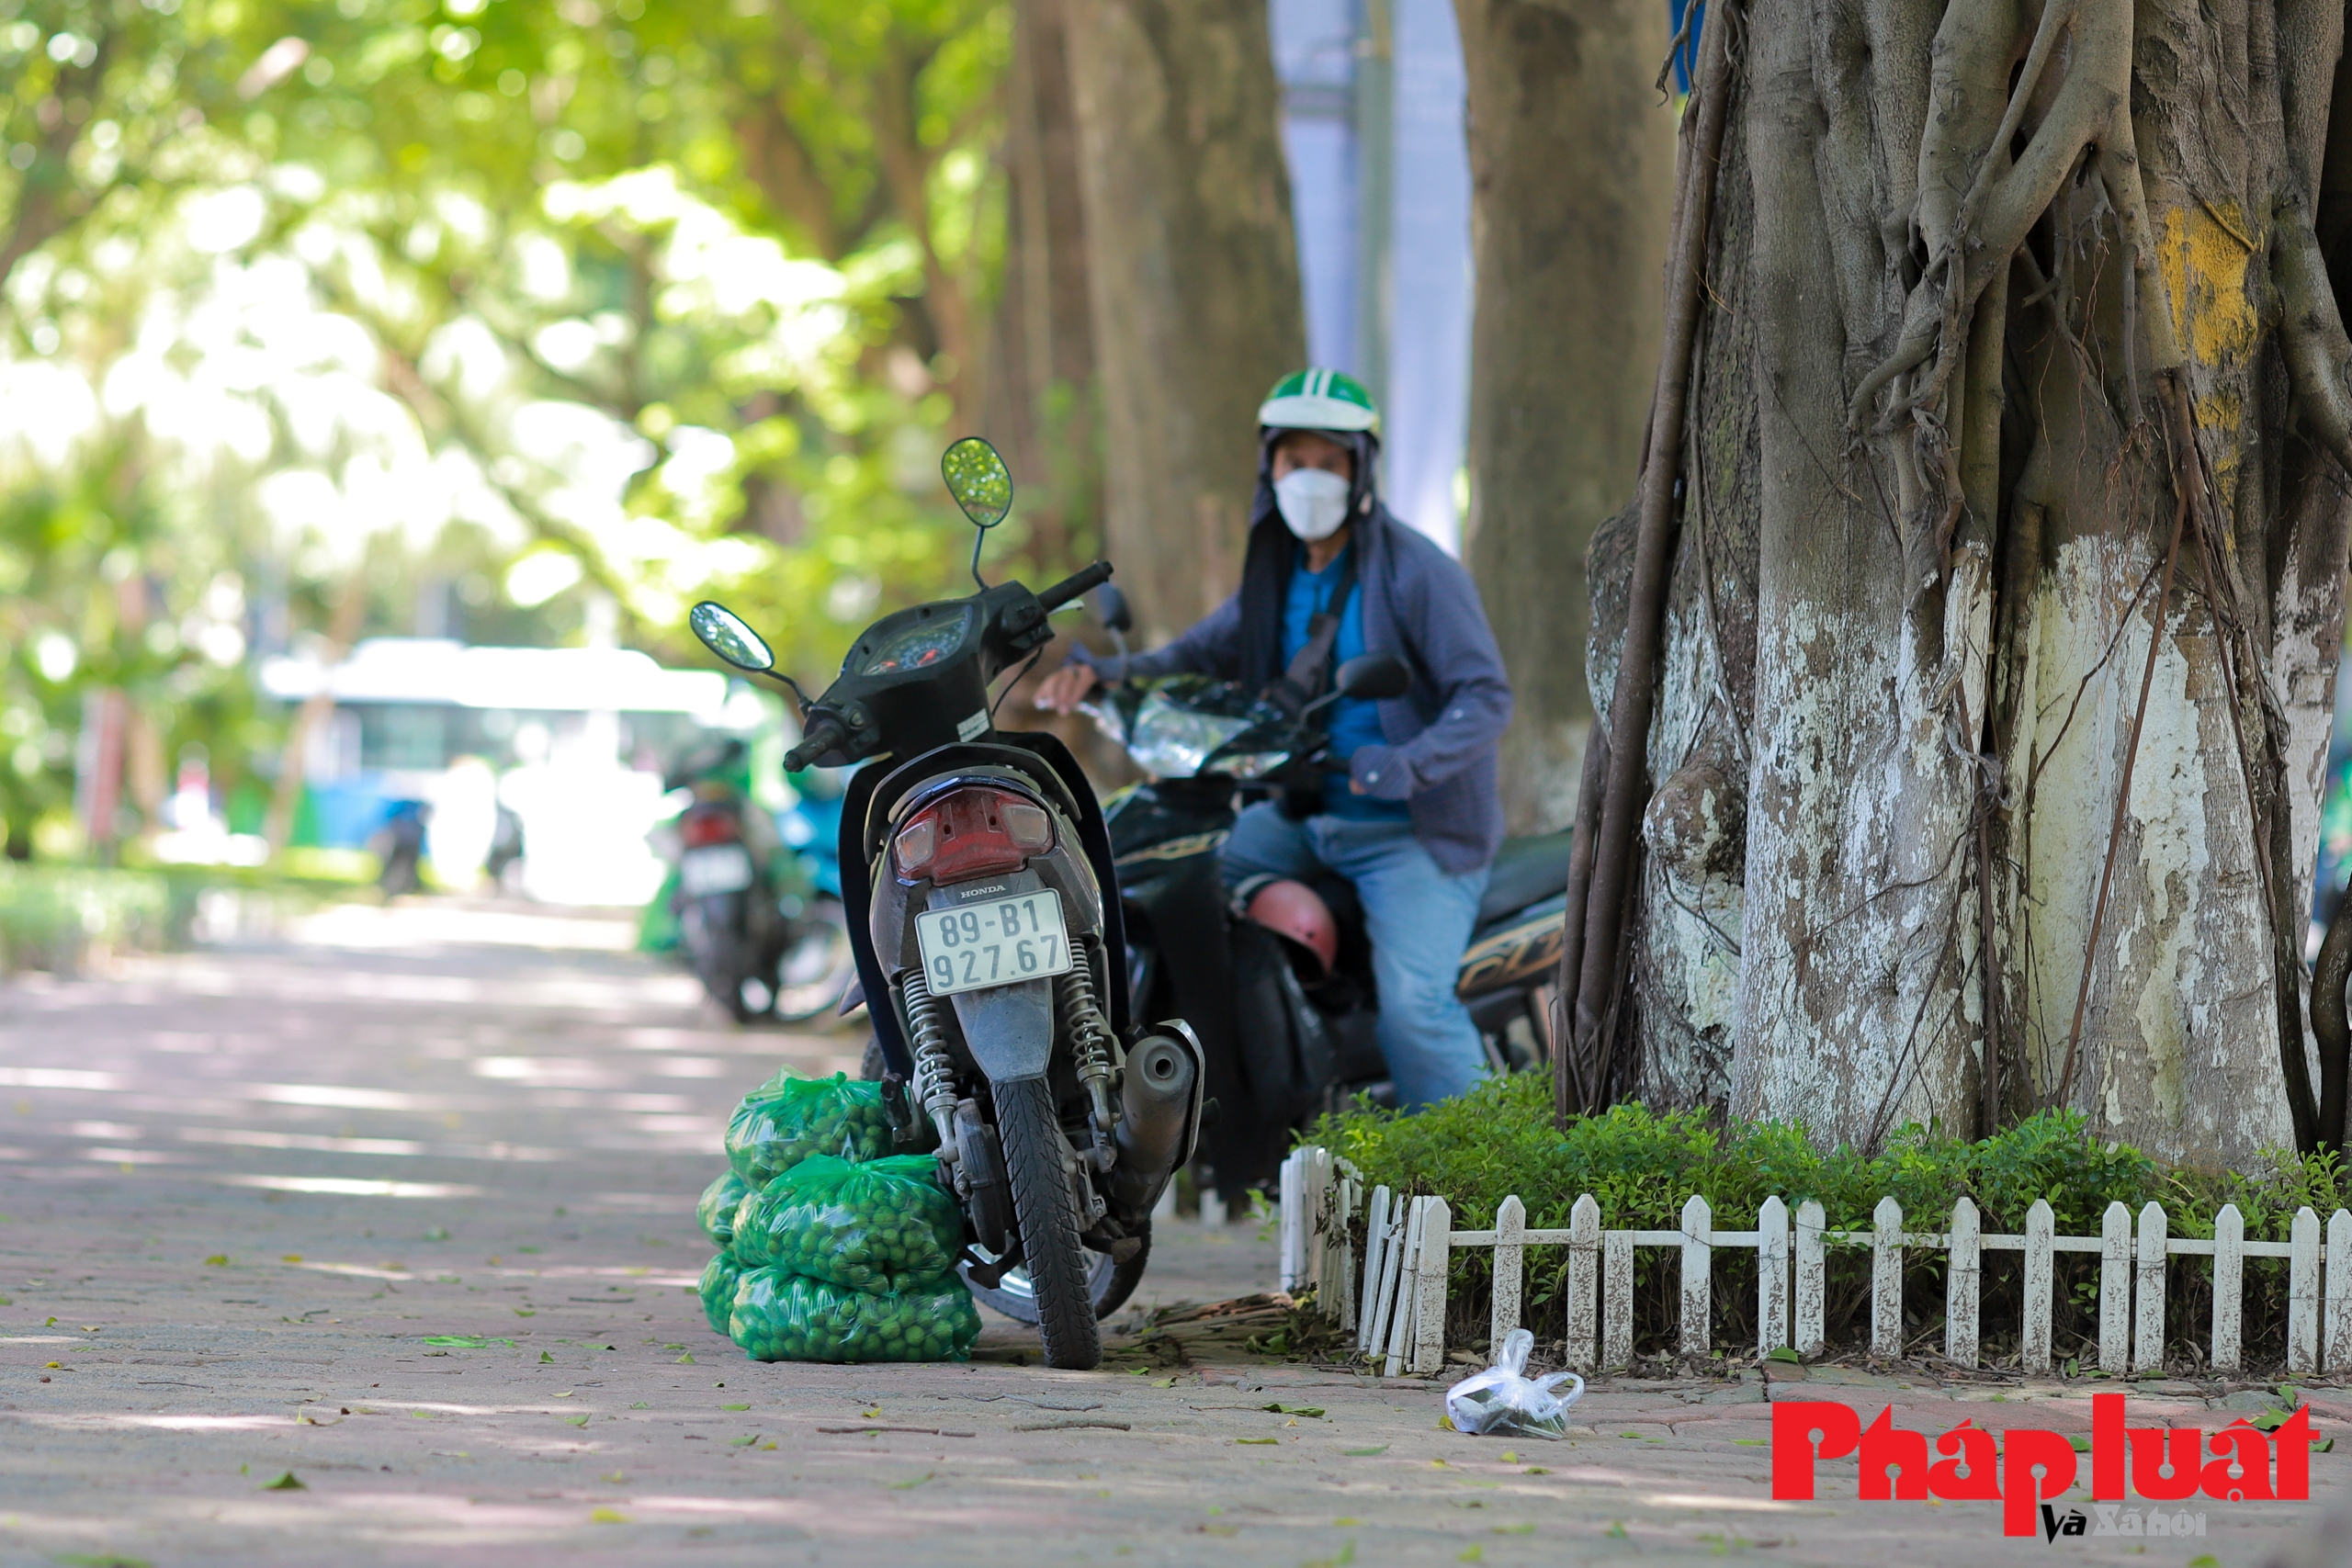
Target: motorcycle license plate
{"x":720,"y":868}
{"x":993,"y":943}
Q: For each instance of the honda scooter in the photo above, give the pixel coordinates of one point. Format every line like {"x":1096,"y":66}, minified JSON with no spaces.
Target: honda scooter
{"x":975,"y":864}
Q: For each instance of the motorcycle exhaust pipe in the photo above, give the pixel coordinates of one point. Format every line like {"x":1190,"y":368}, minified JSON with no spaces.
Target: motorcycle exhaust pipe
{"x":1158,"y":1098}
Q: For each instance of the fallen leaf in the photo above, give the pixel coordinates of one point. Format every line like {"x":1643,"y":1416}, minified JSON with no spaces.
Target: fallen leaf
{"x":1281,"y":1409}
{"x":909,"y":1485}
{"x":685,"y":1361}
{"x":1268,"y":1440}
{"x":1163,"y":1382}
{"x":422,"y":1415}
{"x":1515,"y":1529}
{"x":640,"y":1405}
{"x":466,"y":1341}
{"x":546,"y":1360}
{"x":1445,"y":1424}
{"x":615,"y":1478}
{"x":1784,"y":1354}
{"x":1535,"y":1470}
{"x":606,"y":1516}
{"x":1511,"y":1457}
{"x":291,"y":1257}
{"x":1616,"y":1530}
{"x":525,"y":1312}
{"x":565,"y":1394}
{"x":1364,"y":1453}
{"x":1744,"y":1442}
{"x":575,"y":1420}
{"x":1472,"y":1554}
{"x":99,"y":1560}
{"x":734,"y":1407}
{"x":286,"y":1482}
{"x":217,"y":1261}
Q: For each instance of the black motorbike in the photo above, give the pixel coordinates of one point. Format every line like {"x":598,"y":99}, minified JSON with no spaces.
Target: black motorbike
{"x":1286,"y":1035}
{"x":974,"y":865}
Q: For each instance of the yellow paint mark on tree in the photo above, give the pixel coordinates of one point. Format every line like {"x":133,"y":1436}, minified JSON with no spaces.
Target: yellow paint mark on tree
{"x":2203,"y":256}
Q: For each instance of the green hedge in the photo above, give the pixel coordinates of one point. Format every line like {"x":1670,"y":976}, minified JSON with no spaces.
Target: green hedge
{"x":1500,"y":1139}
{"x":49,"y":915}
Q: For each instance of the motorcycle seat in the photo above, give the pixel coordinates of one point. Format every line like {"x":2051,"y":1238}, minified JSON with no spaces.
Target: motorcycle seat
{"x":1525,"y":871}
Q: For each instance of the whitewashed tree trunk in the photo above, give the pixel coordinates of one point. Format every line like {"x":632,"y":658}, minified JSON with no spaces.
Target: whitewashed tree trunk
{"x":1927,"y":489}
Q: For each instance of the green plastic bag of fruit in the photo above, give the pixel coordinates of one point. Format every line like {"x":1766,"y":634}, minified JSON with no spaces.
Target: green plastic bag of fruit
{"x":719,"y":1278}
{"x":786,"y":1120}
{"x":716,"y":1210}
{"x":790,"y":1317}
{"x":869,"y":1225}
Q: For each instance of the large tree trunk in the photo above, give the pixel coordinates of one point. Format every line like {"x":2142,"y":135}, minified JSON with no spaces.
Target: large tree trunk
{"x":1572,"y":169}
{"x":1194,"y":271}
{"x":2008,"y":578}
{"x":1041,"y":393}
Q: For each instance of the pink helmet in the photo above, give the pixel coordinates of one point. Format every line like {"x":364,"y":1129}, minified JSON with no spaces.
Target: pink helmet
{"x":1296,"y":911}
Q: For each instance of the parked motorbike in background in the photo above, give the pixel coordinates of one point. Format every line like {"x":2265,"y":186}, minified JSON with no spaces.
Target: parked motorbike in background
{"x":1281,"y":993}
{"x":750,"y":917}
{"x":975,"y":864}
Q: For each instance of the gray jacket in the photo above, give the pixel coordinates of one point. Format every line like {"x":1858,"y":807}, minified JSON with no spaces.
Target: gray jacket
{"x":1420,"y":604}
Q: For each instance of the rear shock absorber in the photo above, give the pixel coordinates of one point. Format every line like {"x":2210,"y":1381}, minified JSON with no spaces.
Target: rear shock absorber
{"x":934,"y":1084}
{"x":1091,"y":1036}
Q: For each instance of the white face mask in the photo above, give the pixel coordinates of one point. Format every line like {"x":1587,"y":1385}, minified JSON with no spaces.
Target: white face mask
{"x":1313,"y":501}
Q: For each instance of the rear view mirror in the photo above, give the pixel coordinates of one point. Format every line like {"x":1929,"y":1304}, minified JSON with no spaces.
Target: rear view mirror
{"x":1112,"y":606}
{"x":1373,"y":677}
{"x":978,"y":480}
{"x":723,"y":632}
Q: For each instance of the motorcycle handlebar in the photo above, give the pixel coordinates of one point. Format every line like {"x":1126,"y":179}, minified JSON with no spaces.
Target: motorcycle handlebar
{"x":824,"y":733}
{"x":1078,"y":582}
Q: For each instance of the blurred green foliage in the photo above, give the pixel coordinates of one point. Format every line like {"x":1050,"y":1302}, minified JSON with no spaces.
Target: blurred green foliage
{"x":1641,"y":1166}
{"x":499,"y":305}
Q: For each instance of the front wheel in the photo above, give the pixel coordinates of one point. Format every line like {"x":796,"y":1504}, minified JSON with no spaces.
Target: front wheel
{"x":1046,"y":1210}
{"x":816,"y":966}
{"x":1110,"y":1285}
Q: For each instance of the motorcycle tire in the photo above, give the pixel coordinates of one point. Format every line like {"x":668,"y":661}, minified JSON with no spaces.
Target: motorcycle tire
{"x":1110,"y":1285}
{"x":1047,"y":1212}
{"x":816,"y":964}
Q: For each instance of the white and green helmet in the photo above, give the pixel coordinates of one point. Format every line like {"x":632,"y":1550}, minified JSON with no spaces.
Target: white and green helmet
{"x":1320,"y":400}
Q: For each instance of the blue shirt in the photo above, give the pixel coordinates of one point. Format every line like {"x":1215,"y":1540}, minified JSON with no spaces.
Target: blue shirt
{"x":1351,"y":721}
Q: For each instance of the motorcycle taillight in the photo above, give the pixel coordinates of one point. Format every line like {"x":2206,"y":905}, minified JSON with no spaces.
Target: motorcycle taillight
{"x":973,"y":832}
{"x":702,"y":828}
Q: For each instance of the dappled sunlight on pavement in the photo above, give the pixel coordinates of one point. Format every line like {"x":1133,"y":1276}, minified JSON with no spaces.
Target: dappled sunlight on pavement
{"x":404,"y":1211}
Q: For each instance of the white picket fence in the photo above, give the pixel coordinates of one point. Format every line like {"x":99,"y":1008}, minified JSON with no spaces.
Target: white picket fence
{"x":1396,"y":1302}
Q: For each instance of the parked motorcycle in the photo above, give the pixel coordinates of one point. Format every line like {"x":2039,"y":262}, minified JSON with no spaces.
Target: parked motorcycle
{"x":750,"y":920}
{"x":1282,"y":997}
{"x":974,"y":863}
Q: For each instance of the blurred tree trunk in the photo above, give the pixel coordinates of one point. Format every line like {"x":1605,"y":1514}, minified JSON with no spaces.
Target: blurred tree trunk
{"x":1572,"y":169}
{"x":1995,"y":650}
{"x":1041,"y":394}
{"x":1194,"y":272}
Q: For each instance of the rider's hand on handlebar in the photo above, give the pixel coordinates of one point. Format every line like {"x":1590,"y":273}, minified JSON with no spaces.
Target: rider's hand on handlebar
{"x":1066,"y":687}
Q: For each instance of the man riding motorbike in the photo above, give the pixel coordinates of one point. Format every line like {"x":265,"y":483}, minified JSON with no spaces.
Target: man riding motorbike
{"x":1406,"y":806}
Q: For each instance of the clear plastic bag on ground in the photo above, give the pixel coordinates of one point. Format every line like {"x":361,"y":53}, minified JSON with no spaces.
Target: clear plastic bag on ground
{"x":790,"y":1317}
{"x":1503,"y":1401}
{"x":786,"y":1120}
{"x":719,"y":1278}
{"x":716,"y":1211}
{"x":868,"y":1225}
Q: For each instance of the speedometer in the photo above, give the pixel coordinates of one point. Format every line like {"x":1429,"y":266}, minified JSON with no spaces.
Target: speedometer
{"x":921,"y":645}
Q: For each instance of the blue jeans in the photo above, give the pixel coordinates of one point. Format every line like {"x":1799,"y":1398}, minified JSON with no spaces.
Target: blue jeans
{"x":1419,"y":920}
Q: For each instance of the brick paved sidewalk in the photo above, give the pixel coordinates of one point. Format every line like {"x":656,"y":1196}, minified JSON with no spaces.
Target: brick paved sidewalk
{"x":243,"y":1189}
